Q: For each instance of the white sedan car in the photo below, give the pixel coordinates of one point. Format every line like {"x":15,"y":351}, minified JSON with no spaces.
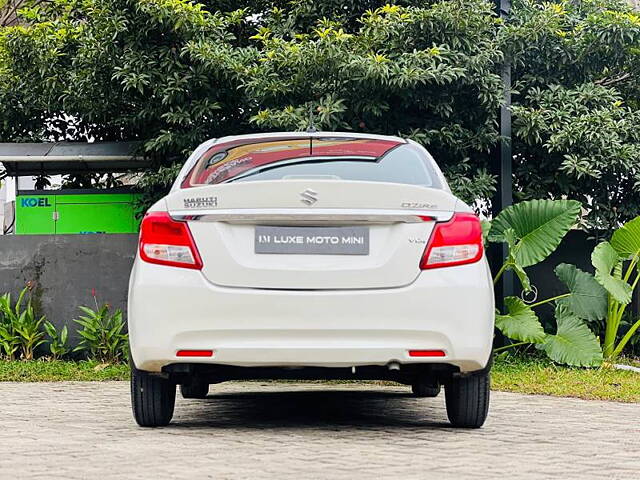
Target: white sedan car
{"x":310,"y":256}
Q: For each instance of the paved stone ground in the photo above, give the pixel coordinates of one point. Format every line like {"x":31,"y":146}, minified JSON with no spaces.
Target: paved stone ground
{"x":256,"y":430}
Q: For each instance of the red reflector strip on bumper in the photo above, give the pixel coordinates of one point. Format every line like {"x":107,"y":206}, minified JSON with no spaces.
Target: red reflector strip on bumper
{"x":194,"y":353}
{"x":426,"y":353}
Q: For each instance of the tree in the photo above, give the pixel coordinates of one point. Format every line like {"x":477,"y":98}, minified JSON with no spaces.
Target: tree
{"x":576,"y":68}
{"x":9,"y":9}
{"x":174,"y":73}
{"x":424,"y":72}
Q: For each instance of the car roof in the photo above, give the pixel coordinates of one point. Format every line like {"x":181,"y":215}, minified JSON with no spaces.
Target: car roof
{"x":298,"y":135}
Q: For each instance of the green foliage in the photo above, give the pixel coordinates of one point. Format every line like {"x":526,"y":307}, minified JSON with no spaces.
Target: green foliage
{"x":48,"y":370}
{"x":533,"y":230}
{"x":603,"y":296}
{"x":57,"y":340}
{"x":173,"y":73}
{"x":626,"y":239}
{"x":520,"y":323}
{"x":410,"y":71}
{"x":617,"y":270}
{"x":102,"y":334}
{"x":575,"y":108}
{"x":608,"y":267}
{"x":573,"y":343}
{"x":20,"y":328}
{"x":588,"y":299}
{"x":591,"y":139}
{"x":22,"y":331}
{"x":9,"y":340}
{"x":537,"y":227}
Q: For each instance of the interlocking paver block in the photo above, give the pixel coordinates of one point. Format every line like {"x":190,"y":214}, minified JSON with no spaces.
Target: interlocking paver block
{"x":285,"y":430}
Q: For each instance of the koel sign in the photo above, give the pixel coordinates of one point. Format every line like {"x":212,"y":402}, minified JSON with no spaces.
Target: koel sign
{"x":35,"y":202}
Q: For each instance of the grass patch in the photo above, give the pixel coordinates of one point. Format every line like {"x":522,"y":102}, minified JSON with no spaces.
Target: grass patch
{"x":511,"y":373}
{"x":542,"y":377}
{"x":59,"y":370}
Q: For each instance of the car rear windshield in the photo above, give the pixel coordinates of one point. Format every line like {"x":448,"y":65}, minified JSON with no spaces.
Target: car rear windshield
{"x":370,"y":160}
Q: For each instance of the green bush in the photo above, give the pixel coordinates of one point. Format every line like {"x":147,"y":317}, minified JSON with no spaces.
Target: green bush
{"x":57,"y":341}
{"x":617,"y":271}
{"x":102,"y":334}
{"x":173,"y":73}
{"x":22,"y":331}
{"x":532,"y":231}
{"x":20,"y":327}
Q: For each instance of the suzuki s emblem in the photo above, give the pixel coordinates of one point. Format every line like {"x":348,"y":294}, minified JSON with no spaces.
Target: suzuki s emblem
{"x":309,"y":197}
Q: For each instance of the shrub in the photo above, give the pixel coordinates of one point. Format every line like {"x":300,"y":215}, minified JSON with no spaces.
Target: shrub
{"x":101,"y":333}
{"x":9,"y":343}
{"x":533,"y":230}
{"x":20,"y":328}
{"x":57,"y":340}
{"x":616,"y":265}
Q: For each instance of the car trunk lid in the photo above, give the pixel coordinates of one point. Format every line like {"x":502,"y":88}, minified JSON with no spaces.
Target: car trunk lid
{"x":311,"y":233}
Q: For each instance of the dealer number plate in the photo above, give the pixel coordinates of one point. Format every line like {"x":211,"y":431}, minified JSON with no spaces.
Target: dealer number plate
{"x":312,"y":240}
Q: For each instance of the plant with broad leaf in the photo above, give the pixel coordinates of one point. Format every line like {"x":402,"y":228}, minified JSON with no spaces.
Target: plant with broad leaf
{"x":57,"y":340}
{"x":9,"y":341}
{"x":617,"y":265}
{"x":533,"y":230}
{"x":20,"y":327}
{"x":102,"y":335}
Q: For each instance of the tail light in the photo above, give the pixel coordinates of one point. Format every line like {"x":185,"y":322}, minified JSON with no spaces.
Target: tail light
{"x":194,"y":353}
{"x":427,"y":353}
{"x":456,"y":242}
{"x":166,"y":241}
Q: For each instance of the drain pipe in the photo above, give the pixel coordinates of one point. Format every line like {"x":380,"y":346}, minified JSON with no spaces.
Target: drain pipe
{"x":618,"y":366}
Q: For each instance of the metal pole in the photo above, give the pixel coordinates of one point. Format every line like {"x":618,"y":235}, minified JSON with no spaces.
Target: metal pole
{"x":503,"y":161}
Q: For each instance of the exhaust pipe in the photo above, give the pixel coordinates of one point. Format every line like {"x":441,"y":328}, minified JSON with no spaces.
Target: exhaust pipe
{"x":393,"y":366}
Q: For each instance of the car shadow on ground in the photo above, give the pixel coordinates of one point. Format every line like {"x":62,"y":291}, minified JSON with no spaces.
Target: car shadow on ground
{"x":333,"y":409}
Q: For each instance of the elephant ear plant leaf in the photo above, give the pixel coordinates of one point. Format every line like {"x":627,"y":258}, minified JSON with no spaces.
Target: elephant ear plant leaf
{"x":587,"y":299}
{"x":532,"y":230}
{"x":573,"y":344}
{"x":539,"y":227}
{"x":520,"y":323}
{"x":608,"y":267}
{"x":626,"y":240}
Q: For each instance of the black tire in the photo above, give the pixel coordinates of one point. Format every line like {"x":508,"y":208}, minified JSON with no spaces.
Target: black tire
{"x":194,"y":389}
{"x":152,"y":399}
{"x":421,"y":389}
{"x":467,"y":400}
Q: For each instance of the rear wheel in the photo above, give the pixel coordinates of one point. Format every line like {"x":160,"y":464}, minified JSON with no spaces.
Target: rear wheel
{"x":422,"y":389}
{"x":467,"y":400}
{"x":194,"y":389}
{"x":152,"y":398}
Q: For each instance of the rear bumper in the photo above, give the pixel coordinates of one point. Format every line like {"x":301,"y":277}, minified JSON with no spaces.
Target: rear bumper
{"x":171,"y":309}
